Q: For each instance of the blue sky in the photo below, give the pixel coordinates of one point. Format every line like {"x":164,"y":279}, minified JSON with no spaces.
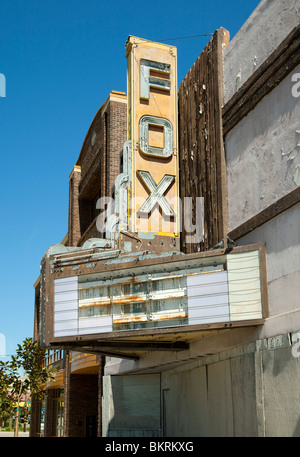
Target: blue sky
{"x":61,"y":59}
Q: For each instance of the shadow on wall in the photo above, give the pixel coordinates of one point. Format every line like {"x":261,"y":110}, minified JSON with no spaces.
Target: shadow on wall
{"x":297,"y":429}
{"x":135,"y":406}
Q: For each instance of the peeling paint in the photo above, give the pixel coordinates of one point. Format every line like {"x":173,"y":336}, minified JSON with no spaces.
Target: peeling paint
{"x":296,"y":175}
{"x":147,"y":235}
{"x":127,"y":246}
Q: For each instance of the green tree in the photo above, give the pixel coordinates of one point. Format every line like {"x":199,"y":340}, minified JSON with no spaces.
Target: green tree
{"x":6,"y":398}
{"x":29,"y":359}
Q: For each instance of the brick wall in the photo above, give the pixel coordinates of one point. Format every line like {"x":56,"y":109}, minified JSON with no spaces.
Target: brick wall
{"x":117,"y":138}
{"x":74,"y":231}
{"x":50,"y":414}
{"x":97,"y":167}
{"x":82,"y":403}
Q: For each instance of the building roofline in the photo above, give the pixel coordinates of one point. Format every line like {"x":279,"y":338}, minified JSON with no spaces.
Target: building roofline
{"x":113,"y":96}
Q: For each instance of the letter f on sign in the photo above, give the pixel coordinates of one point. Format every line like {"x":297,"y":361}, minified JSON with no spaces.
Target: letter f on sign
{"x":157,"y":193}
{"x":147,"y":81}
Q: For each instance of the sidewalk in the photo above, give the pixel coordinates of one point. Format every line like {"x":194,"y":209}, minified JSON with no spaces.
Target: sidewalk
{"x":11,"y":434}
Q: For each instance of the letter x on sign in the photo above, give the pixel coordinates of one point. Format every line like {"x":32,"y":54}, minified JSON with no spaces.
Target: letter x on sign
{"x":157,"y":193}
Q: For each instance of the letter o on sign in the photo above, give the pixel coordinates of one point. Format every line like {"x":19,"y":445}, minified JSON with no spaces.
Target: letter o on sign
{"x":154,"y":151}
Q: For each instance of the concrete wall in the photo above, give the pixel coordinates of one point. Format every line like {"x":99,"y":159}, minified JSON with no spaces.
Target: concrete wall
{"x":251,"y":390}
{"x":131,"y":405}
{"x":282,"y":238}
{"x":263,"y":159}
{"x":248,"y":391}
{"x":263,"y":154}
{"x":261,"y":34}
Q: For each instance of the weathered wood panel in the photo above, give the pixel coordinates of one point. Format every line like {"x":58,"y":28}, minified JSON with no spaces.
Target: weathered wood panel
{"x":202,"y":159}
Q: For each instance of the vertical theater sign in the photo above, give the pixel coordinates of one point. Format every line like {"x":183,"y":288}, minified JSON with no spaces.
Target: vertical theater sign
{"x":152,"y":129}
{"x":134,"y":291}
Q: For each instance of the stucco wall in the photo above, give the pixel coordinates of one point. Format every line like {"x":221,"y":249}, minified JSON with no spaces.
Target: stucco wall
{"x":263,"y":158}
{"x":282,"y":238}
{"x":249,"y":391}
{"x":261,"y":34}
{"x":131,"y":405}
{"x":263,"y":154}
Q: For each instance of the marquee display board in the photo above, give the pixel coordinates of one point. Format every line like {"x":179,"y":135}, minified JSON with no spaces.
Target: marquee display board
{"x":110,"y":294}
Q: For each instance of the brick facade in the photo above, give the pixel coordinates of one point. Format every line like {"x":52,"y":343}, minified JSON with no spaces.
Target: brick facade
{"x":97,"y":167}
{"x":74,"y":221}
{"x":82,"y":406}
